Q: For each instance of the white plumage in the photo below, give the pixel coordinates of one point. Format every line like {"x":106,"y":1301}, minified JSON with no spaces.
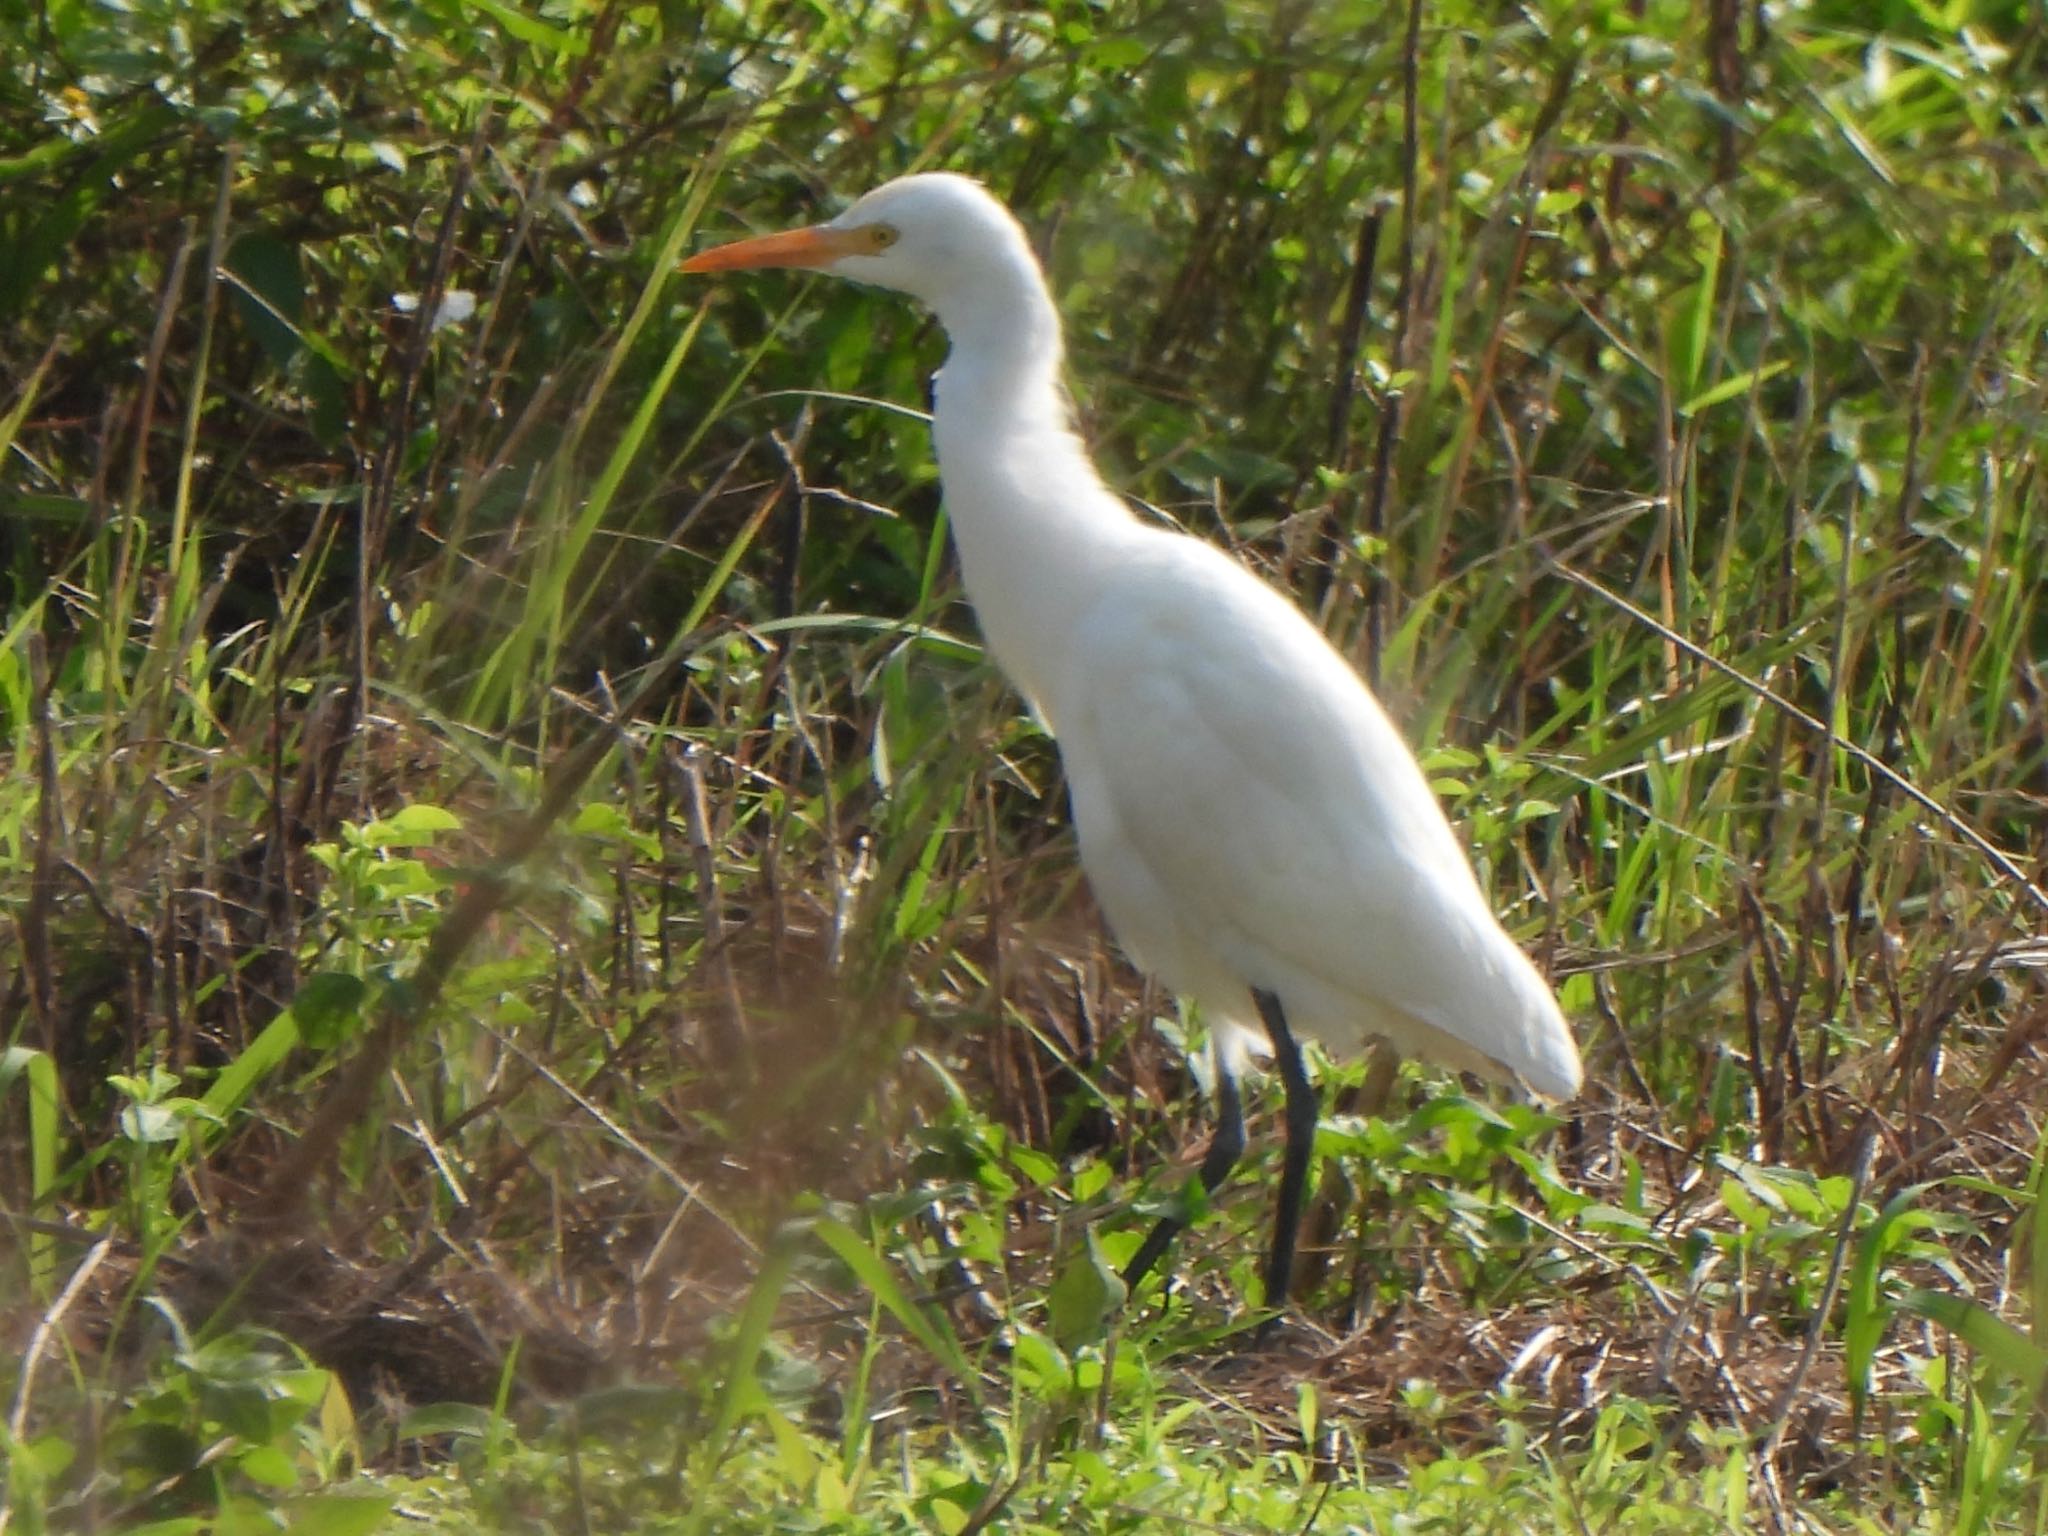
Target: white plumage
{"x":1254,"y":826}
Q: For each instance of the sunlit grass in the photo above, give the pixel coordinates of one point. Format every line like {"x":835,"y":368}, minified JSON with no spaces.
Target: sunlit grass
{"x":548,"y":985}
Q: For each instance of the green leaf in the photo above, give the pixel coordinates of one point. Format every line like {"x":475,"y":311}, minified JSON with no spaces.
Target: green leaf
{"x":1091,"y":1179}
{"x":1034,"y":1165}
{"x":1116,"y":53}
{"x":1693,"y":328}
{"x":472,"y":1420}
{"x":39,"y":1074}
{"x":405,"y":877}
{"x":873,"y":1271}
{"x":268,"y":1465}
{"x":1043,"y":1361}
{"x":742,"y":1392}
{"x":151,"y":1123}
{"x":1307,"y":1410}
{"x":1614,"y":1218}
{"x":1743,"y":1205}
{"x":795,"y":1460}
{"x":1866,"y":1317}
{"x":530,"y":29}
{"x":600,"y":818}
{"x":1087,"y":1293}
{"x":1729,"y":388}
{"x":47,"y":1456}
{"x":328,"y":1005}
{"x":232,"y":1086}
{"x":2037,"y":1243}
{"x":1997,"y":1343}
{"x":416,"y":826}
{"x":269,"y":294}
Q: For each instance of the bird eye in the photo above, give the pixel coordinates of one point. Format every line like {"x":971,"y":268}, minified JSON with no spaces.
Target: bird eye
{"x":882,"y":236}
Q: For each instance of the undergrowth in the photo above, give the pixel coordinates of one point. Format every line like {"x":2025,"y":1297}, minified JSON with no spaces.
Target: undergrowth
{"x":546,"y":981}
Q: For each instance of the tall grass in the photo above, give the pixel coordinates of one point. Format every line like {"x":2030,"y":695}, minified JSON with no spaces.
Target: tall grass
{"x":517,"y":875}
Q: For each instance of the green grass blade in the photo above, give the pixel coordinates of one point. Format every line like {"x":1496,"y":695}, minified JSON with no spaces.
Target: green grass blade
{"x":873,"y":1271}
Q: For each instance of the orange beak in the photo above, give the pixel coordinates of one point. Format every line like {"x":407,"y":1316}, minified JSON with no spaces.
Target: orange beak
{"x":818,"y":246}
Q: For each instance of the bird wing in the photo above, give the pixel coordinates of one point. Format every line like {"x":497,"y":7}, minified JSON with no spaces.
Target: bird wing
{"x":1215,"y":737}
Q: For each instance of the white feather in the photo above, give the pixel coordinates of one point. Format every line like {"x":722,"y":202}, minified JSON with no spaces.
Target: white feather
{"x":1248,"y":815}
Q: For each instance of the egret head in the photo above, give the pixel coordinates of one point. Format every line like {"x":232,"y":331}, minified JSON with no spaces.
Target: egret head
{"x":938,"y":237}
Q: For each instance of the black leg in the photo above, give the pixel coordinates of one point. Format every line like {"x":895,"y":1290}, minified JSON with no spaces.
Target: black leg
{"x":1225,"y":1147}
{"x":1302,"y":1113}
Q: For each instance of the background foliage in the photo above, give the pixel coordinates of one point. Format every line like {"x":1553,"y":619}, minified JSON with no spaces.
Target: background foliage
{"x":546,"y":981}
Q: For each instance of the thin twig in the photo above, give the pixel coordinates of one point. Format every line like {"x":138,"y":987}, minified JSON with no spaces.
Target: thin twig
{"x":1338,"y":531}
{"x":1393,"y":402}
{"x":1816,"y":1325}
{"x":32,"y":926}
{"x":731,"y":1036}
{"x":46,"y":1325}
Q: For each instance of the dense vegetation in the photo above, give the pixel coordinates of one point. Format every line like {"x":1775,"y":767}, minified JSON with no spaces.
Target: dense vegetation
{"x":546,"y":984}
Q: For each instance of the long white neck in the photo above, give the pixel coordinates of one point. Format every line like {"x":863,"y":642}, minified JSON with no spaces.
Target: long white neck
{"x":1035,"y":526}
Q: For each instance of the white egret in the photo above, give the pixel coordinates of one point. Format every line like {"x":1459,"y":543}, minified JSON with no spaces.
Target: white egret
{"x":1254,"y":826}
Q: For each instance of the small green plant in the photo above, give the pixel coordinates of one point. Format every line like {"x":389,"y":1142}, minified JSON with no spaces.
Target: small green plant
{"x":1649,"y":402}
{"x":159,"y":1127}
{"x":236,"y":1432}
{"x":1991,"y":1413}
{"x":383,"y":896}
